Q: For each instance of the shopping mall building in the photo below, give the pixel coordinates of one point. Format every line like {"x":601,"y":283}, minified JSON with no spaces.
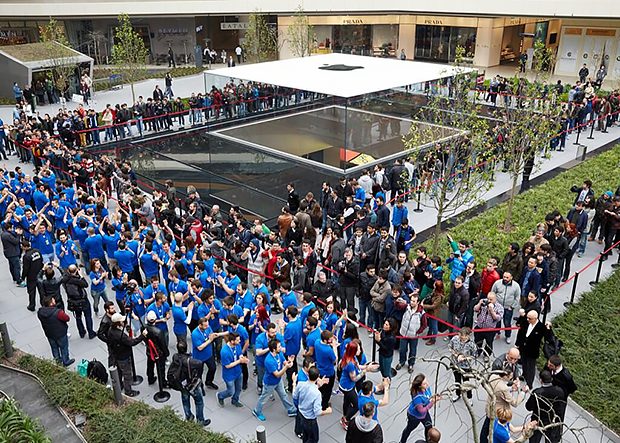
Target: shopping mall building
{"x":492,"y":32}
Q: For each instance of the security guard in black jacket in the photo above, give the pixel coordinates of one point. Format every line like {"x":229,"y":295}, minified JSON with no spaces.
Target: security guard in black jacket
{"x":120,"y":345}
{"x":32,"y":265}
{"x":156,"y":350}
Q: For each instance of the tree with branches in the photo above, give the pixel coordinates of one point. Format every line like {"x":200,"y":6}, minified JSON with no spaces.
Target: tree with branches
{"x":129,"y":54}
{"x":461,"y":173}
{"x":63,"y":59}
{"x":261,"y":38}
{"x":529,"y":122}
{"x":299,"y":34}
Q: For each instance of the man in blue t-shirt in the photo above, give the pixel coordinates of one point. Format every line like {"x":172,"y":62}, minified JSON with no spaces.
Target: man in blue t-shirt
{"x":42,"y":239}
{"x":276,"y":366}
{"x":262,"y":349}
{"x":232,"y":361}
{"x":202,"y":349}
{"x":162,"y":311}
{"x":292,"y":340}
{"x":325,"y":357}
{"x":66,"y":251}
{"x":182,"y":317}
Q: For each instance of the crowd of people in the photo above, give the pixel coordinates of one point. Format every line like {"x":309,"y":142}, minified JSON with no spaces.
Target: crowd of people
{"x":151,"y":262}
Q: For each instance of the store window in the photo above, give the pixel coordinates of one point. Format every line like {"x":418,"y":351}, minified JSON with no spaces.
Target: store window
{"x":353,"y":39}
{"x":439,"y":43}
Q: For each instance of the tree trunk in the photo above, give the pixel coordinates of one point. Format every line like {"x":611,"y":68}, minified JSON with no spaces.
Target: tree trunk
{"x":441,"y":202}
{"x":133,"y":94}
{"x":511,"y":201}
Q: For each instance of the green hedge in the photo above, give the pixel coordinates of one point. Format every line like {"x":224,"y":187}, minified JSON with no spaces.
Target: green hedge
{"x":17,"y":427}
{"x":531,"y":207}
{"x":106,"y":423}
{"x":590,"y":330}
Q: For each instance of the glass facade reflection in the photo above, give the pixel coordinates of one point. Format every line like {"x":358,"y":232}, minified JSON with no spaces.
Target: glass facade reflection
{"x":439,"y":43}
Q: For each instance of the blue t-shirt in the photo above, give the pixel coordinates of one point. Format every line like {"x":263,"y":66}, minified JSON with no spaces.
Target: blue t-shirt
{"x":501,"y":433}
{"x":96,"y":276}
{"x":289,"y":299}
{"x":292,"y":337}
{"x":362,"y":400}
{"x":124,"y":258}
{"x":237,"y":310}
{"x":111,"y":243}
{"x":329,"y":320}
{"x":179,"y":316}
{"x":262,"y":342}
{"x":421,"y":398}
{"x":273,"y":363}
{"x":313,"y":337}
{"x":346,"y":383}
{"x":242,"y":332}
{"x":179,"y":286}
{"x":198,"y":338}
{"x":303,"y":315}
{"x":160,"y":312}
{"x":94,"y":246}
{"x":302,"y":376}
{"x":68,"y":257}
{"x":149,"y":266}
{"x":325,"y":359}
{"x":204,"y":309}
{"x":43,"y":242}
{"x":229,"y":355}
{"x":245,"y":300}
{"x":148,"y":292}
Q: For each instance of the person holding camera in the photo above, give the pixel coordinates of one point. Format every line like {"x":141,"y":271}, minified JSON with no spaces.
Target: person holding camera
{"x":489,"y":313}
{"x":49,"y":283}
{"x":120,"y":345}
{"x":349,"y":269}
{"x":77,"y":300}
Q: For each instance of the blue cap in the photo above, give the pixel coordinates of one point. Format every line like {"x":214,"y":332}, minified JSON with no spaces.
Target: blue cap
{"x":609,"y":193}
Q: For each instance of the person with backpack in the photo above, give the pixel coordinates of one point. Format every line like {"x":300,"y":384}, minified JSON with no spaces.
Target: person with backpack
{"x":120,"y":345}
{"x":109,"y":310}
{"x":185,"y":376}
{"x":77,"y":300}
{"x":54,"y":323}
{"x":156,"y":349}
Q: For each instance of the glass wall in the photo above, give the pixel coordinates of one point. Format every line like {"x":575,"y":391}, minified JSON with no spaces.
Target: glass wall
{"x":438,"y":43}
{"x":353,"y":39}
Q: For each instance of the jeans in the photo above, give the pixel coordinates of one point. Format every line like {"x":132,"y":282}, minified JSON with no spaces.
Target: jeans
{"x":260,"y":374}
{"x":432,"y":327}
{"x":484,"y":432}
{"x":309,"y":429}
{"x":385,"y":365}
{"x":96,"y":296}
{"x":365,"y":308}
{"x":88,"y":316}
{"x":507,"y":321}
{"x":413,"y":423}
{"x":233,"y":389}
{"x":125,"y":372}
{"x":200,"y":404}
{"x":412,"y":346}
{"x":211,"y":368}
{"x":279,"y":389}
{"x":48,"y":258}
{"x":583,"y":242}
{"x":484,"y":341}
{"x":377,"y":319}
{"x":15,"y":268}
{"x":349,"y":404}
{"x":454,"y":320}
{"x":60,"y":348}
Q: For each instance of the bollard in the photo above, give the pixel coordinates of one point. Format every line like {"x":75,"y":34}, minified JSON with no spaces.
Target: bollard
{"x":161,"y":396}
{"x":137,"y":379}
{"x":374,"y":349}
{"x":598,"y":271}
{"x":617,"y":264}
{"x":578,"y":132}
{"x":6,"y":340}
{"x":116,"y":385}
{"x":591,"y":131}
{"x":418,"y":209}
{"x":572,"y":294}
{"x":261,"y":435}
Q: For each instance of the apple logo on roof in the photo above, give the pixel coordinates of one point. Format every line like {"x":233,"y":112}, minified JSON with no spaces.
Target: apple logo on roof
{"x":339,"y":67}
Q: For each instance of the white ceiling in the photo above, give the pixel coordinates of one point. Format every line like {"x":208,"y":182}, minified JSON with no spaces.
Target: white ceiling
{"x":378,"y":74}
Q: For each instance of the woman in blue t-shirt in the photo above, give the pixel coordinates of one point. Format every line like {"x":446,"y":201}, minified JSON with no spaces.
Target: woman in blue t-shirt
{"x":97,"y":284}
{"x":422,"y":400}
{"x":502,"y":427}
{"x":351,"y":373}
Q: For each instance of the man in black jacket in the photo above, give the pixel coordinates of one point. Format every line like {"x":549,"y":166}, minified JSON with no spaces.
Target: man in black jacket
{"x":120,"y":345}
{"x":364,"y":429}
{"x":349,"y":270}
{"x":12,"y":251}
{"x":77,"y":300}
{"x":529,"y":338}
{"x":49,"y":284}
{"x":545,"y":403}
{"x":104,"y":327}
{"x":293,"y":198}
{"x":54,"y":323}
{"x":370,"y":245}
{"x":323,"y":288}
{"x":156,"y":350}
{"x":457,"y":303}
{"x":33,"y":263}
{"x":367,"y":281}
{"x":562,"y":378}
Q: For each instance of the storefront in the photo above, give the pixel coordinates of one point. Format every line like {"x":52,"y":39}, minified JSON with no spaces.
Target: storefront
{"x":437,"y":42}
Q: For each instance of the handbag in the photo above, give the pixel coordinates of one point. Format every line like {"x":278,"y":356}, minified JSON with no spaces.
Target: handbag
{"x":82,"y":367}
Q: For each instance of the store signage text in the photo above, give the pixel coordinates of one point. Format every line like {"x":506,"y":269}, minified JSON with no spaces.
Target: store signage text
{"x":234,"y":26}
{"x":433,"y":21}
{"x":352,"y":21}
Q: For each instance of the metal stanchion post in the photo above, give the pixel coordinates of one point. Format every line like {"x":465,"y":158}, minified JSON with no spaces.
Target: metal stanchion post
{"x":6,"y":340}
{"x":261,"y":435}
{"x":598,"y":271}
{"x":116,"y":385}
{"x":578,"y":132}
{"x":418,"y":209}
{"x":591,"y":130}
{"x":161,"y":396}
{"x":572,"y":294}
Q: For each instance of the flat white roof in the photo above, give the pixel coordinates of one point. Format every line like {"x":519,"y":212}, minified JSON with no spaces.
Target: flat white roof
{"x":375,"y":74}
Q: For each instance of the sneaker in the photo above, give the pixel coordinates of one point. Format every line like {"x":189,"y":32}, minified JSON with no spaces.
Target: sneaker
{"x":410,"y":369}
{"x":132,"y":393}
{"x":344,"y":423}
{"x":508,"y":340}
{"x":446,"y":339}
{"x":399,"y":366}
{"x":190,"y":418}
{"x":292,"y":413}
{"x":22,"y":284}
{"x":370,"y":334}
{"x":30,"y":308}
{"x":237,"y":404}
{"x":272,"y":397}
{"x":336,"y":391}
{"x":255,"y":413}
{"x":219,"y":400}
{"x":244,"y":387}
{"x":579,"y":255}
{"x":205,"y":422}
{"x":455,"y":398}
{"x":430,"y":342}
{"x":211,"y":386}
{"x":300,"y":436}
{"x":152,"y":382}
{"x":69,"y":362}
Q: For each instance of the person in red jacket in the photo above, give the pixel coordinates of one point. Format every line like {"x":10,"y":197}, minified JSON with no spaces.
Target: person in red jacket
{"x":488,"y":277}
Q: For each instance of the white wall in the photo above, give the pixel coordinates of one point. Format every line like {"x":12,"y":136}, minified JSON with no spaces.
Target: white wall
{"x":539,"y":8}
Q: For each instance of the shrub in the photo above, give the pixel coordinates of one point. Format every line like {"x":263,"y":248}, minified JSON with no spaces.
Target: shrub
{"x":531,"y":207}
{"x":590,"y":329}
{"x":17,"y":427}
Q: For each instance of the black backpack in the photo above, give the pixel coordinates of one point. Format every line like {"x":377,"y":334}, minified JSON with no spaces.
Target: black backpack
{"x":175,"y":371}
{"x":96,"y":371}
{"x":184,"y":373}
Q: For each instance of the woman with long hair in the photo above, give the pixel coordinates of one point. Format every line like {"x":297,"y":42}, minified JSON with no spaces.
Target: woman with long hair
{"x":386,"y":340}
{"x":422,"y":400}
{"x":431,"y":306}
{"x":351,"y":373}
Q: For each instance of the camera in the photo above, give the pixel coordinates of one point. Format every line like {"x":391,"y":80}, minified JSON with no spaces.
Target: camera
{"x":485,"y":302}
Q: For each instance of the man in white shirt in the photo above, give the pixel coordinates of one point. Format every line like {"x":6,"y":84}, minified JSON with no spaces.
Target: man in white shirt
{"x":238,"y":52}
